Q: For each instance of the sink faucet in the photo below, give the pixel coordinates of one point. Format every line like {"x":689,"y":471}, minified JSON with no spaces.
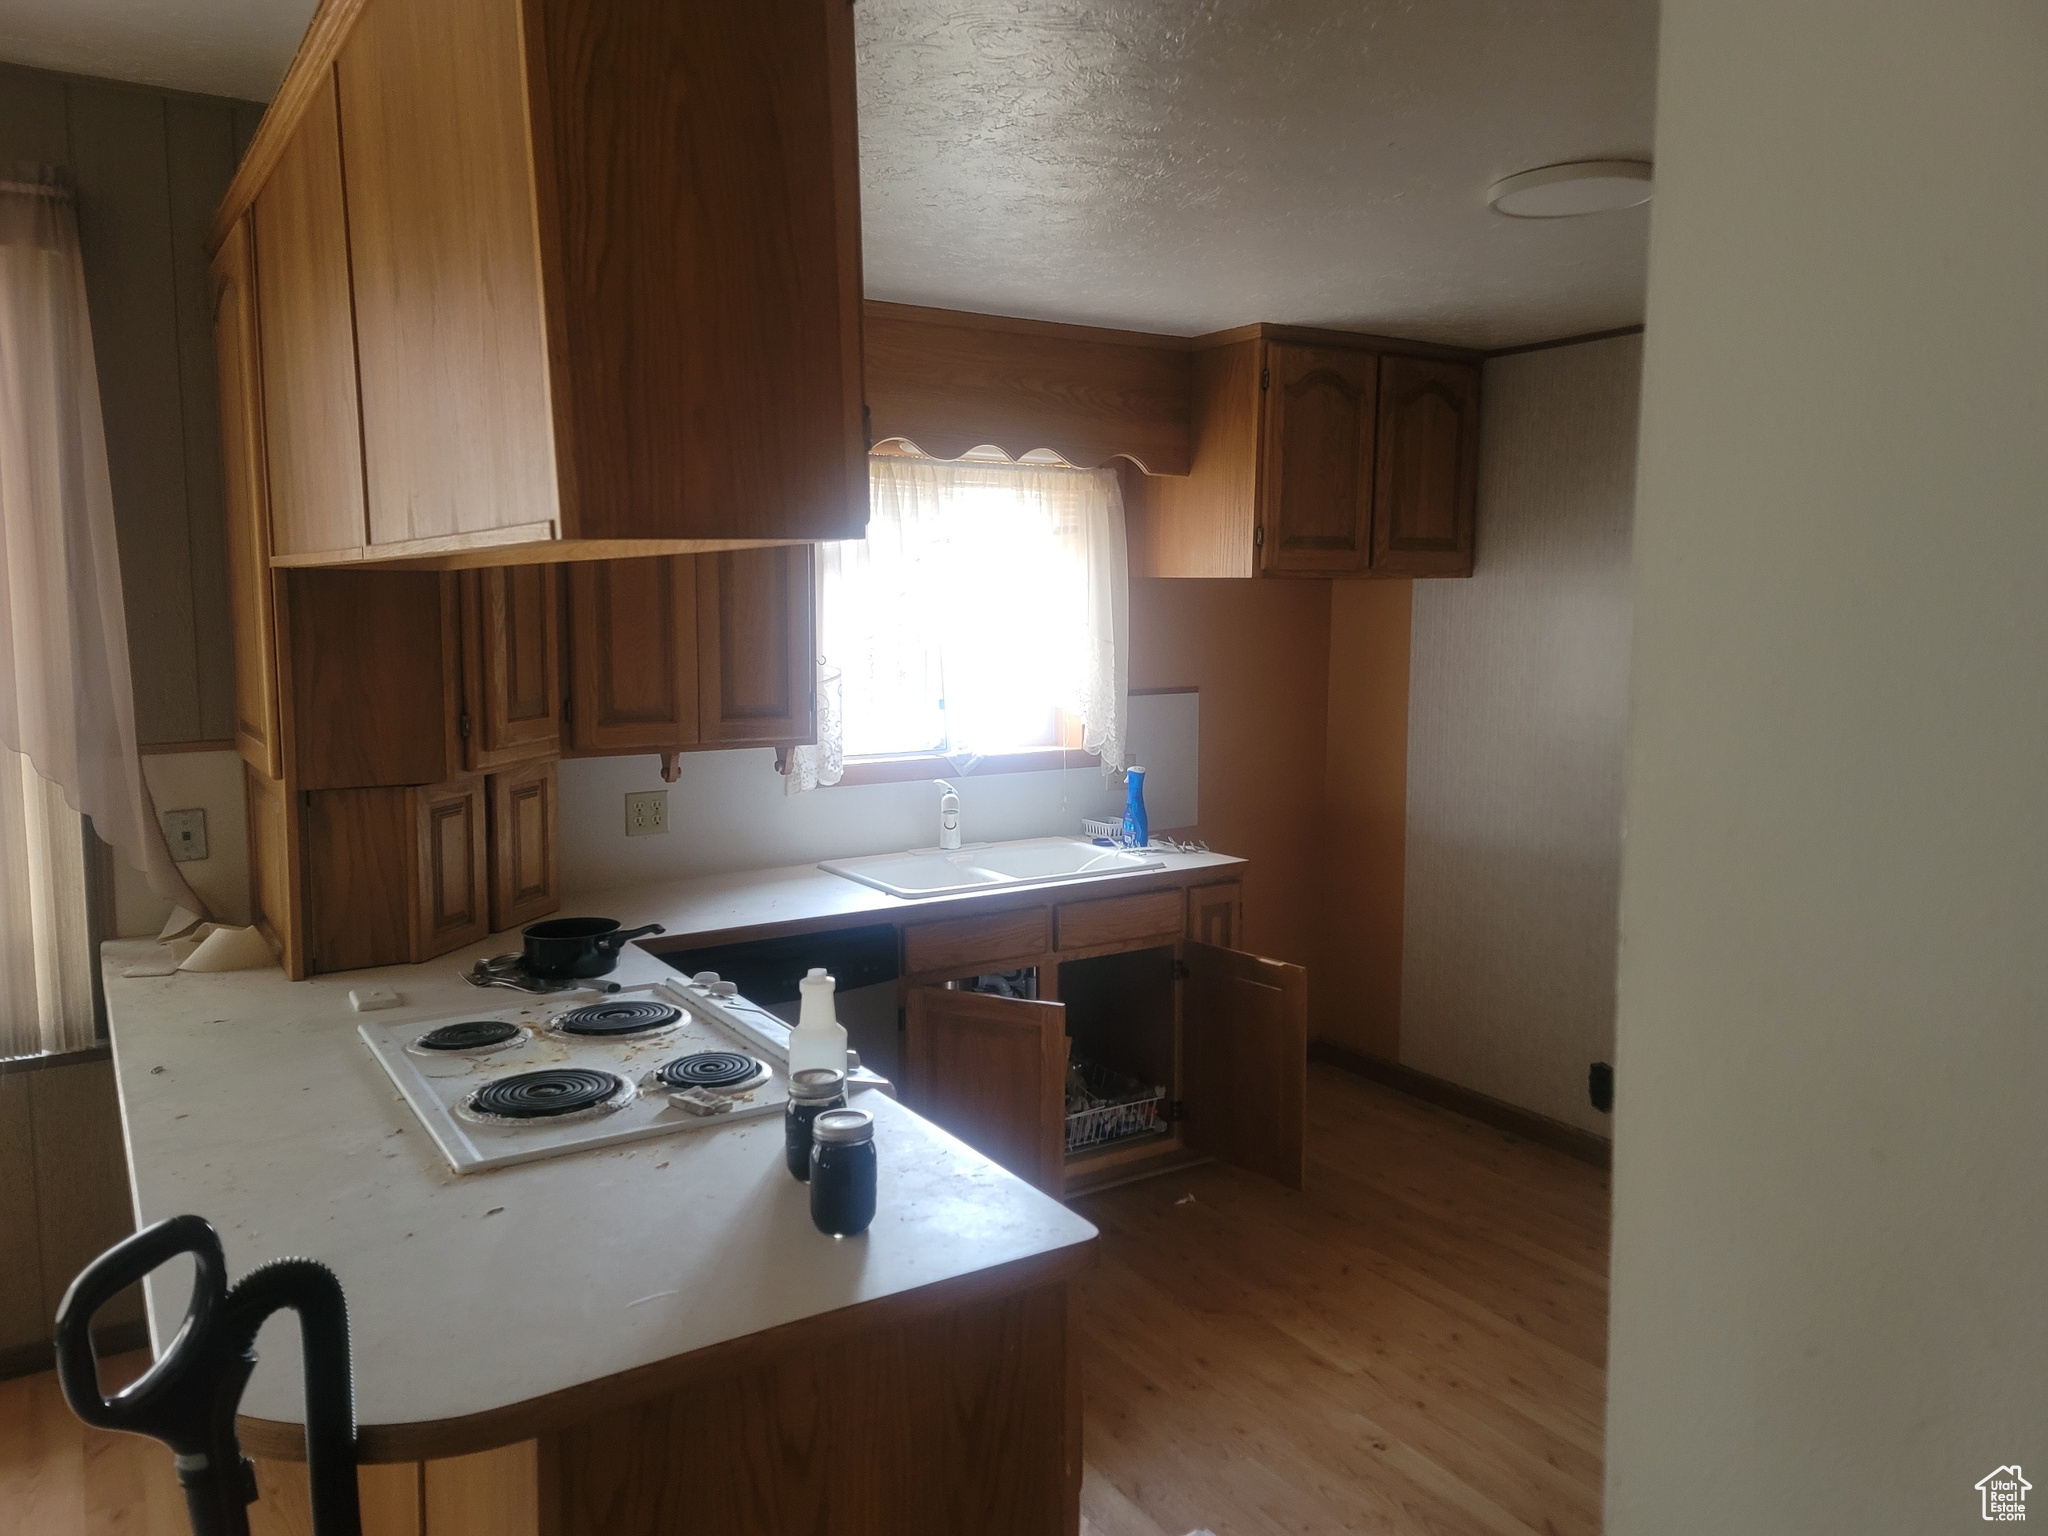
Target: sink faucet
{"x":949,"y":815}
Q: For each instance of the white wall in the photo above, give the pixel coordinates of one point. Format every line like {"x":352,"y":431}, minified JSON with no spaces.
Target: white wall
{"x":208,"y":781}
{"x":1830,"y":1266}
{"x":729,"y":811}
{"x":1517,"y":705}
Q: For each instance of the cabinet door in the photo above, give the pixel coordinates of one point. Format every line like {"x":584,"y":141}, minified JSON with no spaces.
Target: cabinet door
{"x":523,"y":823}
{"x":992,"y":1070}
{"x":373,"y":663}
{"x":458,"y":436}
{"x":512,"y":675}
{"x":1315,"y":475}
{"x":1427,"y":477}
{"x":633,"y":654}
{"x":756,"y":662}
{"x":1216,"y":913}
{"x":312,"y":426}
{"x":246,"y":503}
{"x":451,"y":900}
{"x":1244,"y":1059}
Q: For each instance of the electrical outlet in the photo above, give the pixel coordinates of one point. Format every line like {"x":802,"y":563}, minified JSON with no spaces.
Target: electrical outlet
{"x":647,"y":813}
{"x":185,"y":831}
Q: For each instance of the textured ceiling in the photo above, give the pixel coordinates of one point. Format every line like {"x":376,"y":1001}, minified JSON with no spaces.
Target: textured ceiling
{"x":1187,"y":165}
{"x":1174,"y":165}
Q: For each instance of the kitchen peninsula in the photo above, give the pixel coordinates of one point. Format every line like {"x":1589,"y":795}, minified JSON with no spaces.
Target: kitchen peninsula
{"x":638,"y":1337}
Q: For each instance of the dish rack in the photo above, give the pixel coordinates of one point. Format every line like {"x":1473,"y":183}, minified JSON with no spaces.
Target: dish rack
{"x":1105,"y":1106}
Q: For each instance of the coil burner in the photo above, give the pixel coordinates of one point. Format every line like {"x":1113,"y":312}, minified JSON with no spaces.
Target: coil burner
{"x":469,"y":1035}
{"x":625,"y":1016}
{"x":549,"y":1094}
{"x":728,"y":1070}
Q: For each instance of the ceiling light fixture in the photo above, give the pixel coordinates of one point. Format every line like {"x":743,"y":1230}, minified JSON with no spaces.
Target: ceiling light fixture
{"x":1576,"y":187}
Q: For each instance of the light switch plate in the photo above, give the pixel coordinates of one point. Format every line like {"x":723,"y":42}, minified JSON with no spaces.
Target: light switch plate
{"x":185,"y":831}
{"x":647,"y":813}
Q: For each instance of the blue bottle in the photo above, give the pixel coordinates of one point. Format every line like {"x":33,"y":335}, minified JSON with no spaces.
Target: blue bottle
{"x":1137,"y":827}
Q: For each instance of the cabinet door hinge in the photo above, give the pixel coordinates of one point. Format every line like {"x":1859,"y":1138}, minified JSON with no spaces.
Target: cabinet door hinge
{"x":1181,"y":971}
{"x":1176,"y":1111}
{"x":568,"y":708}
{"x":462,"y":725}
{"x":1259,"y":537}
{"x":1265,"y":378}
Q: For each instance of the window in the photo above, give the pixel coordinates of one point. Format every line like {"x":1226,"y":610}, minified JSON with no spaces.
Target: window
{"x":984,"y":613}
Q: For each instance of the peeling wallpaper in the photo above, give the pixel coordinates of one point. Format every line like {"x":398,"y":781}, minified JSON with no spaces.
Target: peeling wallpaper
{"x":1518,"y":706}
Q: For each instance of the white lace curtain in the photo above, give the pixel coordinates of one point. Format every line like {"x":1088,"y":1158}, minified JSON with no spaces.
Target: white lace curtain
{"x":984,"y":597}
{"x":66,"y":700}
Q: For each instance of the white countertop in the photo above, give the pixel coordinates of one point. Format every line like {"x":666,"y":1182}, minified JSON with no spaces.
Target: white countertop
{"x":804,"y":895}
{"x":250,"y":1100}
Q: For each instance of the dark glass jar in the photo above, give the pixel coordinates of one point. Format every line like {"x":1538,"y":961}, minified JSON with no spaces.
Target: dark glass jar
{"x":843,"y":1172}
{"x":811,"y":1092}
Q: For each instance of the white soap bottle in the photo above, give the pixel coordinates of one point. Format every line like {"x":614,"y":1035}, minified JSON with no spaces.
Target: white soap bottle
{"x":819,"y":1039}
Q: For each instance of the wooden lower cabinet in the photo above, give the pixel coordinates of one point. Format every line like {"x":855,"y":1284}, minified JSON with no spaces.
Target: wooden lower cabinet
{"x":394,"y":875}
{"x":276,"y":894}
{"x":523,"y":818}
{"x":992,"y":1070}
{"x":1222,"y":1036}
{"x":955,"y":1417}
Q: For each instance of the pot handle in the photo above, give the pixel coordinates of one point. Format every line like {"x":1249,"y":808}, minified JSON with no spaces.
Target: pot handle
{"x":617,"y":941}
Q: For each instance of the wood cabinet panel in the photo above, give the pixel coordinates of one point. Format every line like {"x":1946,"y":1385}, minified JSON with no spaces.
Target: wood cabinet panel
{"x":394,"y":874}
{"x":492,"y":1493}
{"x":1159,"y":915}
{"x":1244,"y":1060}
{"x":1201,"y":523}
{"x":312,"y":426}
{"x":1427,"y":479}
{"x":275,"y":900}
{"x":992,"y":1070}
{"x":999,"y":938}
{"x":451,"y":904}
{"x":1216,"y":913}
{"x":524,"y":822}
{"x":1316,"y":477}
{"x":388,"y":1492}
{"x":245,"y":495}
{"x":512,"y":673}
{"x":633,"y":654}
{"x":700,"y":217}
{"x":373,"y":661}
{"x":756,"y":655}
{"x":458,"y":435}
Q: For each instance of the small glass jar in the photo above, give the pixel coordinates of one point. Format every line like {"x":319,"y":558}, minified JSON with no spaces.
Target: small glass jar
{"x":843,"y":1172}
{"x":811,"y":1092}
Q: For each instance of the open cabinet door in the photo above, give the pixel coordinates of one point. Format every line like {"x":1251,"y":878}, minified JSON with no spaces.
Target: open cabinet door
{"x":993,"y":1071}
{"x":1244,"y":1060}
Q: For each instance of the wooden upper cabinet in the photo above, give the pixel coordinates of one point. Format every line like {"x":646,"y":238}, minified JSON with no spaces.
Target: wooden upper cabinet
{"x":605,"y":261}
{"x":1427,"y":478}
{"x":1316,"y":455}
{"x":1316,"y":469}
{"x":247,"y":504}
{"x":312,"y":428}
{"x":512,"y":671}
{"x":458,"y":444}
{"x":633,"y":654}
{"x":756,"y":664}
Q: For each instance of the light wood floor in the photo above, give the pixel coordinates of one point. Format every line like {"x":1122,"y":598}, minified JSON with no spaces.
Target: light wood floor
{"x":1413,"y":1343}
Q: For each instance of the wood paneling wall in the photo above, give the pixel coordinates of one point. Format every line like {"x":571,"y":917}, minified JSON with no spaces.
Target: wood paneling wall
{"x":63,"y":1201}
{"x":149,"y":167}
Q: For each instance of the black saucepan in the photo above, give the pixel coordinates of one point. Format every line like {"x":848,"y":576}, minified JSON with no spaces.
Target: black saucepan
{"x":574,"y":948}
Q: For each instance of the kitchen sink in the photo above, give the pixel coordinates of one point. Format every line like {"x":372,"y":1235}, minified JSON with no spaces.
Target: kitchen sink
{"x":982,"y":866}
